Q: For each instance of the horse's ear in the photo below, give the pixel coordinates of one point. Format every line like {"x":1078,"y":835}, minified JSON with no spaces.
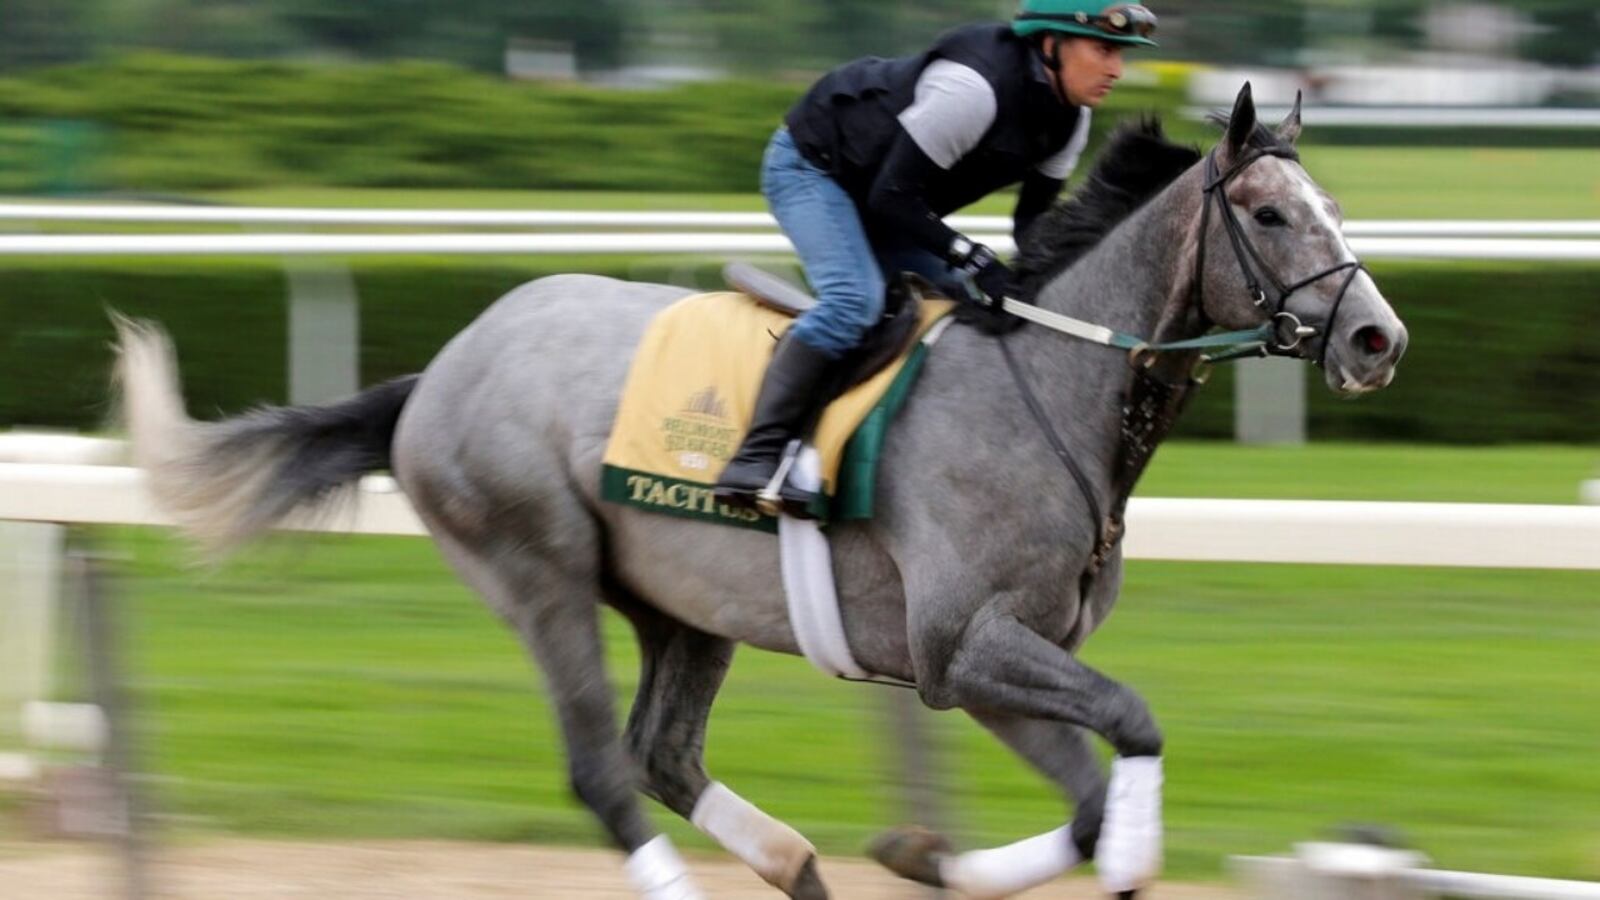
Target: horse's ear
{"x":1242,"y":121}
{"x":1289,"y":131}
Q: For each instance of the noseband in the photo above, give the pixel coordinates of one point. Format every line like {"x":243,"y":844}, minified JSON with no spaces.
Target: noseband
{"x":1287,"y":333}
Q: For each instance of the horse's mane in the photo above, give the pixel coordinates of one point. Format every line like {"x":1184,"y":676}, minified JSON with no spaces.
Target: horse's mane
{"x":1137,"y":163}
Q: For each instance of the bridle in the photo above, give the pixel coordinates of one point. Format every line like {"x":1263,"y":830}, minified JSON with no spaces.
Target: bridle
{"x":1287,"y":332}
{"x":1153,"y":405}
{"x":1283,"y":334}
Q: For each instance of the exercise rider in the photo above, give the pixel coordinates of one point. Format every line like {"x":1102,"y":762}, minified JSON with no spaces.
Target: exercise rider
{"x":873,"y":157}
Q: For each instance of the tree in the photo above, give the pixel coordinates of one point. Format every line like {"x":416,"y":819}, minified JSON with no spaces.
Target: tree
{"x":1568,"y":33}
{"x":596,"y":29}
{"x":40,"y":32}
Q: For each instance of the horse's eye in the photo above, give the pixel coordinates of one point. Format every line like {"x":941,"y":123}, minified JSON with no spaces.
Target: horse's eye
{"x":1270,"y":217}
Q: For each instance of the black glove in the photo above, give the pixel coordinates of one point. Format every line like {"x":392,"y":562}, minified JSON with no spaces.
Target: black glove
{"x":991,"y":281}
{"x":993,"y":278}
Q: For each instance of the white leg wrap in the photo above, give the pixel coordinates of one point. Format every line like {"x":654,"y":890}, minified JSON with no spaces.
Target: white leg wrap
{"x":658,"y":872}
{"x":1012,"y":869}
{"x":1128,"y":856}
{"x":774,"y":850}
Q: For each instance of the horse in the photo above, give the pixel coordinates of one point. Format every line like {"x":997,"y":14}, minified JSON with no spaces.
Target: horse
{"x":980,"y":575}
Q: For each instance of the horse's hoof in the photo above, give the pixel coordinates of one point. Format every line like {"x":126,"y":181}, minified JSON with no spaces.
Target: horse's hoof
{"x":808,"y":884}
{"x":913,"y":852}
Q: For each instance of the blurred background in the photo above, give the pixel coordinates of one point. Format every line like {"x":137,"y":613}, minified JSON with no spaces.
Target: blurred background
{"x":338,"y":689}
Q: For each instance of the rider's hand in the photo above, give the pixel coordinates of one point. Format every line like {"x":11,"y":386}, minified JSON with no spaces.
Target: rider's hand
{"x":993,"y":278}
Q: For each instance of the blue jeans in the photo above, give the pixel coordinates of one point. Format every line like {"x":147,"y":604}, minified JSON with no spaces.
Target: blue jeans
{"x":844,"y":267}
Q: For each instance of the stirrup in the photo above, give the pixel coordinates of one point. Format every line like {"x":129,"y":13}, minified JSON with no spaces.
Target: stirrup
{"x":770,"y":499}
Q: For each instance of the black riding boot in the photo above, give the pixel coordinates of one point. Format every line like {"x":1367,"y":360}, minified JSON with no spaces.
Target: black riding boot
{"x":799,"y":382}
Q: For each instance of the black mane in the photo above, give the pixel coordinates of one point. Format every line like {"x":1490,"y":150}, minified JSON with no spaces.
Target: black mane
{"x":1137,"y":163}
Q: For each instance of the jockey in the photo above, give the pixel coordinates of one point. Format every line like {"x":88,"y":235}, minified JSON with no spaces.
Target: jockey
{"x":873,"y":157}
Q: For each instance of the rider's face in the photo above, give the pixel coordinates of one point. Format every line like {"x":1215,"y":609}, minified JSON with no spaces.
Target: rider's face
{"x":1089,"y":68}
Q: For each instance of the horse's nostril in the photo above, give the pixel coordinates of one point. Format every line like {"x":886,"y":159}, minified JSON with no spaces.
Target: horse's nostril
{"x":1372,"y":339}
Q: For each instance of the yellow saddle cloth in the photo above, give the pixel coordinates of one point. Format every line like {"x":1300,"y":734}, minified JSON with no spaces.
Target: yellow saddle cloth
{"x":690,"y":396}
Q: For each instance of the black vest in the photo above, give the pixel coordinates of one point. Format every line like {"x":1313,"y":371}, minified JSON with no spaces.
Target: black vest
{"x":847,"y":121}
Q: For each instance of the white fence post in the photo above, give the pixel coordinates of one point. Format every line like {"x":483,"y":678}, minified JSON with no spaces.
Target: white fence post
{"x":1269,"y":401}
{"x":324,"y":331}
{"x":30,"y":578}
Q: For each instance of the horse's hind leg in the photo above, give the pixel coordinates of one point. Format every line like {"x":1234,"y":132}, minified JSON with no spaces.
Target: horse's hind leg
{"x":552,"y":604}
{"x":682,"y":670}
{"x":1060,"y":752}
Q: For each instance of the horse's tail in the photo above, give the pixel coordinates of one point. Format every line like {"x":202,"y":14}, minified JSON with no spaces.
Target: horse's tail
{"x":226,"y":482}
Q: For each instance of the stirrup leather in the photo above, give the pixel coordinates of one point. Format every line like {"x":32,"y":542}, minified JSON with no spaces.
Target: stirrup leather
{"x":770,"y":499}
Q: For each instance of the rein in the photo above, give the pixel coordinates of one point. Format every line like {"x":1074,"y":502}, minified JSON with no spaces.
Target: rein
{"x":1153,"y":405}
{"x":1281,"y":335}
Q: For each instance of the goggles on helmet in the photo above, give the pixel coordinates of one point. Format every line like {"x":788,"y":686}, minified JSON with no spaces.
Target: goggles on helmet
{"x":1127,"y":20}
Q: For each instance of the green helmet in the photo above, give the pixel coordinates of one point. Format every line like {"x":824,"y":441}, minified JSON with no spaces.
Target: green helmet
{"x":1118,"y":22}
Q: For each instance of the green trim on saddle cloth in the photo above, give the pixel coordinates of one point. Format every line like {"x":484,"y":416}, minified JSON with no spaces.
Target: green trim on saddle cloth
{"x":858,"y":476}
{"x":690,"y":394}
{"x":677,"y":497}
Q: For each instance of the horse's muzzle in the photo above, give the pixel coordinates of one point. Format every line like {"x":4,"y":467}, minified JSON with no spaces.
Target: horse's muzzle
{"x":1363,"y":358}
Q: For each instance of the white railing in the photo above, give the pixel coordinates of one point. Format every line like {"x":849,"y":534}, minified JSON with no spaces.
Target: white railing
{"x":323,"y":306}
{"x":585,"y":219}
{"x":642,"y":243}
{"x":1357,"y":870}
{"x":1435,"y":116}
{"x":1282,"y":531}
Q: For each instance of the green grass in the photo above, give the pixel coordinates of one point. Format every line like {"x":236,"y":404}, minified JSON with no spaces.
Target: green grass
{"x":1370,"y":183}
{"x":337,"y":687}
{"x":1517,"y":474}
{"x":1459,"y":183}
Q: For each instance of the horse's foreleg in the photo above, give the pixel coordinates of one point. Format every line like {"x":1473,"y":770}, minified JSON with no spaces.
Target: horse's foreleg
{"x":1005,"y":667}
{"x":1061,"y":752}
{"x":682,"y":671}
{"x":1002,"y":666}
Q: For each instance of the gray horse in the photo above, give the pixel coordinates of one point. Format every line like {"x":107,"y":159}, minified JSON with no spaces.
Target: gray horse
{"x":977,"y":580}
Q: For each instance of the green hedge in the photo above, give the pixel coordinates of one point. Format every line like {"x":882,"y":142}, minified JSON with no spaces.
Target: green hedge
{"x":1499,"y":353}
{"x":167,"y":123}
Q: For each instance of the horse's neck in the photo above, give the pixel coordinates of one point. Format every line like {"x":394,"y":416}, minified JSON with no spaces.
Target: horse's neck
{"x":1132,"y":277}
{"x":1134,"y":281}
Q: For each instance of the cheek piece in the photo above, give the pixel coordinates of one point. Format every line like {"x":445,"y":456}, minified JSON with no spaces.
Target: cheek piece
{"x":1289,"y":332}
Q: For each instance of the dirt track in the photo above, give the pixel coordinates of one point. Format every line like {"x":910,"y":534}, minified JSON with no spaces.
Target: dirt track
{"x":414,"y":870}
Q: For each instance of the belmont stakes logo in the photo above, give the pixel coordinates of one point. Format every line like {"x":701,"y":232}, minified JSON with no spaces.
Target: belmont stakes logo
{"x":707,"y":403}
{"x":700,"y":434}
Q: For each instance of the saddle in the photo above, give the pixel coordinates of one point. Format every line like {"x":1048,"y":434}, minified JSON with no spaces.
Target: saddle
{"x":691,"y":389}
{"x":884,"y":343}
